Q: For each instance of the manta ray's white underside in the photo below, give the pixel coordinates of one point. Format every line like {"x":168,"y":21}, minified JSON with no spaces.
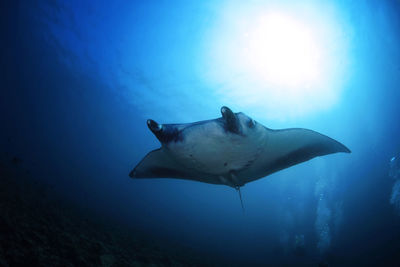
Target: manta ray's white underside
{"x":232,"y":150}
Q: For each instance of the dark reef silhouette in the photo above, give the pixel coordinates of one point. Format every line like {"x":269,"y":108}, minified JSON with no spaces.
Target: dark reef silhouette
{"x":38,"y":228}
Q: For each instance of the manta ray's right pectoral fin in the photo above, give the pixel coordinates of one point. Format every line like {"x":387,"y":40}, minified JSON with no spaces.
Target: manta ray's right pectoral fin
{"x":231,"y":121}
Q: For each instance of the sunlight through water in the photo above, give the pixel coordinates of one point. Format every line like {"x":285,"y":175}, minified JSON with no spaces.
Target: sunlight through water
{"x":281,"y":63}
{"x":281,"y":51}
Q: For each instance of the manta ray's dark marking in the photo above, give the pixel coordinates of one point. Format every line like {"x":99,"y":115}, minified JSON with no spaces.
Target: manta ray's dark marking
{"x":231,"y":150}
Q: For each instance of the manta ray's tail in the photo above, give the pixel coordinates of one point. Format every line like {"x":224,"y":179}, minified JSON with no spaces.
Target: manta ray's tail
{"x":240,"y":196}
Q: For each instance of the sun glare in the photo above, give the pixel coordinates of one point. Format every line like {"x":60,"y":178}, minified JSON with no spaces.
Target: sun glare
{"x":283,"y":62}
{"x":281,"y":51}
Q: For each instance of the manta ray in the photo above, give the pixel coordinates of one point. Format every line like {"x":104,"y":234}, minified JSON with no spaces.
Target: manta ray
{"x":231,"y":150}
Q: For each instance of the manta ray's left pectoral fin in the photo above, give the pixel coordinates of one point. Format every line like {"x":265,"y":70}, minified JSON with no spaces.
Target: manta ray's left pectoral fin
{"x":157,"y":164}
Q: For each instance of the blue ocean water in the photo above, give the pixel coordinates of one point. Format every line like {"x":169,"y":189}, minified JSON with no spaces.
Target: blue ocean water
{"x":80,"y":79}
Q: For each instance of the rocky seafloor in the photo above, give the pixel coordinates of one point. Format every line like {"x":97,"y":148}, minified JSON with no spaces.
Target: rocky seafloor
{"x":40,"y":229}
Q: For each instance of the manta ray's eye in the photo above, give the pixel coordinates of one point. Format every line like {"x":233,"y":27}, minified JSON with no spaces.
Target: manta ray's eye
{"x":251,"y":123}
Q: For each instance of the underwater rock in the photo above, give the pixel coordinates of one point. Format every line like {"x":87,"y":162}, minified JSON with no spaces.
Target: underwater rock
{"x":49,"y":232}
